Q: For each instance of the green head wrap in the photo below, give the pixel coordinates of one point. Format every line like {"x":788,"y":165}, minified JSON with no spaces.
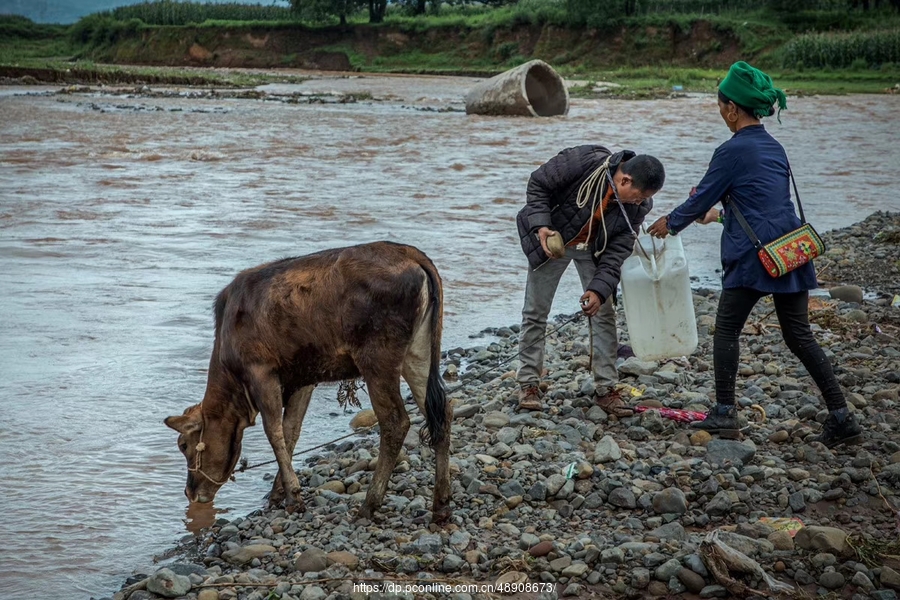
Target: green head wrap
{"x":751,"y":88}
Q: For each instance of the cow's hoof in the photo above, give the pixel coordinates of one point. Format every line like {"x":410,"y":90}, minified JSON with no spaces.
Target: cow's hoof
{"x":294,"y":504}
{"x":295,"y":508}
{"x":365,"y":512}
{"x":276,"y":499}
{"x":440,"y":516}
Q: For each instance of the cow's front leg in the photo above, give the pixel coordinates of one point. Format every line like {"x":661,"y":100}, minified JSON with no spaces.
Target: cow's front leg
{"x":266,"y":389}
{"x":292,"y":423}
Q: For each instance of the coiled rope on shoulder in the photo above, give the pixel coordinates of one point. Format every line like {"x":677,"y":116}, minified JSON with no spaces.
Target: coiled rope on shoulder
{"x":591,"y":189}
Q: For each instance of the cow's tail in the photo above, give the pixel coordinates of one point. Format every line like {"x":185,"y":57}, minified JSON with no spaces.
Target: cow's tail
{"x":437,"y":412}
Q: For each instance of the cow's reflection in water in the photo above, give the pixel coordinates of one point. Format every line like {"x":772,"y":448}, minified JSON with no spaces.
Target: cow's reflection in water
{"x":199,"y":516}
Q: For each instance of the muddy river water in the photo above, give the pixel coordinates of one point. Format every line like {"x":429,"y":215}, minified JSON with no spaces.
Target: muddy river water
{"x":121,"y":217}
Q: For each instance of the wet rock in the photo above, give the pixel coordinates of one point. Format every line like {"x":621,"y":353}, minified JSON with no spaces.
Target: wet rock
{"x":692,"y":581}
{"x":719,"y":452}
{"x":857,"y":316}
{"x":452,"y":563}
{"x":824,"y":539}
{"x":465,"y":411}
{"x":246,"y":554}
{"x":612,"y":555}
{"x":657,"y":589}
{"x":311,"y":560}
{"x":495,"y":420}
{"x":779,"y":437}
{"x":576,"y":569}
{"x":167,"y":584}
{"x":670,"y":531}
{"x":796,"y":502}
{"x":333,"y":486}
{"x":313,"y":592}
{"x":781,"y":540}
{"x":429,"y":543}
{"x":714,"y":591}
{"x":667,"y":570}
{"x":670,"y":500}
{"x":700,"y":438}
{"x":635,"y":366}
{"x":348,"y":559}
{"x":364,"y":418}
{"x":831,"y":580}
{"x":607,"y":450}
{"x":862,"y":581}
{"x":720,"y":504}
{"x":847,"y":293}
{"x":560,"y":563}
{"x":623,"y":498}
{"x":640,"y":578}
{"x":541,"y":549}
{"x":890,"y":578}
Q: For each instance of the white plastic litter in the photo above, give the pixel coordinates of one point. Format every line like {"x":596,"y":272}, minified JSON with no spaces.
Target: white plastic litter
{"x":720,"y":558}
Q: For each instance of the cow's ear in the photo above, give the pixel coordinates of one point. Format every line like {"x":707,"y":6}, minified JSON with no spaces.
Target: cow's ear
{"x":183,"y":423}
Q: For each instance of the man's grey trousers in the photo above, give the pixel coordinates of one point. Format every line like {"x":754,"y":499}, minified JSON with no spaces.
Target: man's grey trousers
{"x":539,"y":291}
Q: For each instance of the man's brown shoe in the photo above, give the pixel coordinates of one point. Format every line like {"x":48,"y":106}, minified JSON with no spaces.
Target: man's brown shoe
{"x":530,"y":398}
{"x":612,"y":404}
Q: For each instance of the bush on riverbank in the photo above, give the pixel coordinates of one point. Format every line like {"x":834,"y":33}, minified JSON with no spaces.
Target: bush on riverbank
{"x":868,"y":49}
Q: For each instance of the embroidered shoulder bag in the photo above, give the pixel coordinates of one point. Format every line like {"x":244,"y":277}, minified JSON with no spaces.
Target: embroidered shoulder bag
{"x":790,"y":251}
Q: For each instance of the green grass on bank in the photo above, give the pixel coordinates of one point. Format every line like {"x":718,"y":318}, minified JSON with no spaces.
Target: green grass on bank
{"x":638,"y":83}
{"x":660,"y":82}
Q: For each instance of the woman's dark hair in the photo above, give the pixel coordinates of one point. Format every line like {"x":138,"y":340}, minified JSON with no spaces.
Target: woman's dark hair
{"x":725,"y":100}
{"x":646,"y":172}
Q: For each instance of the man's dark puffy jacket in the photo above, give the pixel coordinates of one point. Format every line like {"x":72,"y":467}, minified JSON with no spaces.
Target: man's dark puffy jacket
{"x":551,"y":202}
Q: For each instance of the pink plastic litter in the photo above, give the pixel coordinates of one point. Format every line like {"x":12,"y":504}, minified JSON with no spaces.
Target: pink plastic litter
{"x":676,"y":414}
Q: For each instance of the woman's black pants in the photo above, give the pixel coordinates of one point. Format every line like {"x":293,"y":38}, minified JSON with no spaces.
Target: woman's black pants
{"x":735,"y":306}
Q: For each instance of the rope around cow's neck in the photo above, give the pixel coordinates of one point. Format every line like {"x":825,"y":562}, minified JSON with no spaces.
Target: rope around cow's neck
{"x":198,"y":466}
{"x":463,"y":383}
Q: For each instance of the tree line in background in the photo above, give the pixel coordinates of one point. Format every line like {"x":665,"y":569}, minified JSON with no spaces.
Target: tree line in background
{"x":592,"y":13}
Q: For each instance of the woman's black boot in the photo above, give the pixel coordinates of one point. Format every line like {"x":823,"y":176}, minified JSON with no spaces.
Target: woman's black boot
{"x":722,"y":420}
{"x":840,"y":427}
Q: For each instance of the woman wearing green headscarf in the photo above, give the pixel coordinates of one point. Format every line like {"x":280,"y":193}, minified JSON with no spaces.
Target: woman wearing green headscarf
{"x":752,"y":171}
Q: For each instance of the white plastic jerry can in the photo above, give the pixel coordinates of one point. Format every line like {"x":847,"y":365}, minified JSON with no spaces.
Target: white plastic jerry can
{"x":659,"y":307}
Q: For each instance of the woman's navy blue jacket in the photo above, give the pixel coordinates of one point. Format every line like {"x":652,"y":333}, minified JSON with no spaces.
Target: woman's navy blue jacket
{"x":751,"y":168}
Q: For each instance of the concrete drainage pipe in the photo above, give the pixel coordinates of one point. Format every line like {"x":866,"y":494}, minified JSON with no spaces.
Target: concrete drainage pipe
{"x":532,"y":89}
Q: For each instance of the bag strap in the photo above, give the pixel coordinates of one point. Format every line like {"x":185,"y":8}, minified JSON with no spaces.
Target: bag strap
{"x":797,"y":195}
{"x":746,"y":226}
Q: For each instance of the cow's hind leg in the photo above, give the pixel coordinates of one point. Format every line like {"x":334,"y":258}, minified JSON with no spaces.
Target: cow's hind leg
{"x":292,"y":423}
{"x":266,"y":390}
{"x":416,"y":369}
{"x":394,"y":424}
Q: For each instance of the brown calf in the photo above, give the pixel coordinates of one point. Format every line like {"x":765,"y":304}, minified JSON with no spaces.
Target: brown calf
{"x":373,"y":310}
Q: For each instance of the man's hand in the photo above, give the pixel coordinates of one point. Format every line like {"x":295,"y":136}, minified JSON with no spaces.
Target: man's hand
{"x":659,"y":229}
{"x":591,"y":303}
{"x":711,"y":216}
{"x":543,"y":233}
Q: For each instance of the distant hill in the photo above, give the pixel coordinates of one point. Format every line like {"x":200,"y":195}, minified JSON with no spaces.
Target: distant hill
{"x":69,"y":11}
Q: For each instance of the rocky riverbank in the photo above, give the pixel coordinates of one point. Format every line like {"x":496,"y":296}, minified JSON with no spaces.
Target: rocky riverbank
{"x":578,"y":503}
{"x":865,"y":254}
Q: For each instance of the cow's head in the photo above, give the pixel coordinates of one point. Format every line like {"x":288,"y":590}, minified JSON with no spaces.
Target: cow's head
{"x":212,"y":445}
